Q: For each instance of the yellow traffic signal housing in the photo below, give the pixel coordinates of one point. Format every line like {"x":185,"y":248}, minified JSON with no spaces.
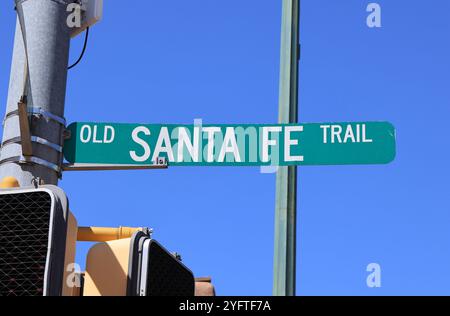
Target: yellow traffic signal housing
{"x":9,"y":182}
{"x":136,"y":266}
{"x":107,"y":266}
{"x":37,"y":242}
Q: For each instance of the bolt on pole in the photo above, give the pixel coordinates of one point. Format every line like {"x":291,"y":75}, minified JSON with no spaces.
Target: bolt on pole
{"x":286,"y":182}
{"x":47,"y":41}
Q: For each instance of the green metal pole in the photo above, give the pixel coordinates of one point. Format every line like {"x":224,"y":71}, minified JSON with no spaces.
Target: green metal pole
{"x":286,"y":185}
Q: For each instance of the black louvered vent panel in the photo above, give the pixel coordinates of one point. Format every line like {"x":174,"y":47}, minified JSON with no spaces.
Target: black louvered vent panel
{"x":167,"y":276}
{"x":24,"y":230}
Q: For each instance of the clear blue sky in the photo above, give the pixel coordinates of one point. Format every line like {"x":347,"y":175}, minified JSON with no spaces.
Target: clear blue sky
{"x":175,"y":61}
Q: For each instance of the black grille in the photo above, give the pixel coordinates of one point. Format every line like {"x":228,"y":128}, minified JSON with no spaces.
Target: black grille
{"x":166,"y":275}
{"x":24,"y":233}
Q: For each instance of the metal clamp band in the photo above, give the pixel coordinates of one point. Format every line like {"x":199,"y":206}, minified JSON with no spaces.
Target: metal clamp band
{"x":63,"y":2}
{"x":47,"y":143}
{"x":34,"y":139}
{"x":40,"y":112}
{"x":51,"y":116}
{"x":32,"y":159}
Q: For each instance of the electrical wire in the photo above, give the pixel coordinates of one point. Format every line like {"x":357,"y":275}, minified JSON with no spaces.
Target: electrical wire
{"x":83,"y":51}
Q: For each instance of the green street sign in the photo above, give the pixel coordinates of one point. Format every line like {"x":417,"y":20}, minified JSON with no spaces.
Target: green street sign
{"x":231,"y":145}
